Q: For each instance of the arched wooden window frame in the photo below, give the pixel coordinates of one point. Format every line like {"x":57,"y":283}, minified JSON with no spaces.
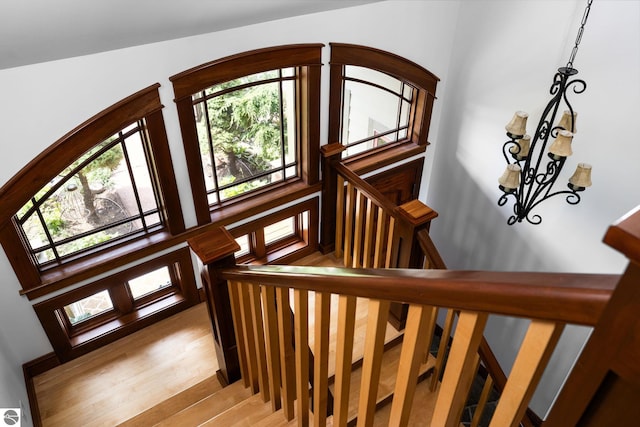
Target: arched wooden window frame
{"x":144,"y":104}
{"x":402,"y":69}
{"x":306,"y":58}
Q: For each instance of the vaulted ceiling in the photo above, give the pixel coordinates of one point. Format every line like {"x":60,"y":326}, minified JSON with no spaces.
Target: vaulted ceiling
{"x":33,"y":31}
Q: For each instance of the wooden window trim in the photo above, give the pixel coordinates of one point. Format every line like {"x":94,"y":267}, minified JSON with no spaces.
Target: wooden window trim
{"x":400,"y":68}
{"x":306,"y":58}
{"x":287,"y":249}
{"x":70,"y":342}
{"x":142,"y":105}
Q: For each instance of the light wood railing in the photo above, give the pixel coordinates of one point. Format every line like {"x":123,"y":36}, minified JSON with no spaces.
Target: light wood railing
{"x":551,"y":300}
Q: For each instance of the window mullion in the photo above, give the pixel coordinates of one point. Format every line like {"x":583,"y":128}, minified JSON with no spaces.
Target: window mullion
{"x":134,"y":186}
{"x":211,"y":150}
{"x":282,"y":130}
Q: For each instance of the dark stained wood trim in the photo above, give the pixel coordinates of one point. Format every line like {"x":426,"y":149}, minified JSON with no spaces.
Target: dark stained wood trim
{"x":31,"y":369}
{"x":125,"y":318}
{"x":624,"y":235}
{"x":307,"y":57}
{"x":144,"y":104}
{"x":561,"y":297}
{"x":386,"y":62}
{"x":197,"y":78}
{"x":292,"y":249}
{"x":164,"y":173}
{"x":134,"y":251}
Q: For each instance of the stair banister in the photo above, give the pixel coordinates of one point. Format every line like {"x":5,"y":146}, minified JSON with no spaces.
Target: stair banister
{"x":559,"y":297}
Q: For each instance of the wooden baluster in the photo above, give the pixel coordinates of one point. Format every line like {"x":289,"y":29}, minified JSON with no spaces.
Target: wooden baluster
{"x":358,"y":230}
{"x":392,"y":244}
{"x":482,"y":401}
{"x":258,"y":336}
{"x":287,"y":357}
{"x":236,"y":315}
{"x":381,"y":228}
{"x":533,"y":356}
{"x":321,"y":357}
{"x":272,"y":345}
{"x":344,"y":356}
{"x":417,"y":336}
{"x":340,"y":214}
{"x":370,"y":234}
{"x":348,"y":227}
{"x":248,"y":334}
{"x":460,"y":369}
{"x":301,"y":313}
{"x":377,"y":317}
{"x":442,"y":349}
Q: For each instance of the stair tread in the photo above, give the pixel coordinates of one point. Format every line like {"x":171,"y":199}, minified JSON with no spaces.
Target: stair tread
{"x":390,"y":361}
{"x":424,"y":402}
{"x":246,"y":413}
{"x":175,"y":403}
{"x":209,"y":406}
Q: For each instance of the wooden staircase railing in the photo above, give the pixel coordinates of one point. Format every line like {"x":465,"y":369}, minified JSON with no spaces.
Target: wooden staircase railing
{"x":495,"y":377}
{"x":549,"y":299}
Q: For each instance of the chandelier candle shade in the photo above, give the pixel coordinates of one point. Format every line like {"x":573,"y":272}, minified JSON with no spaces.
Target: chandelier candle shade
{"x":527,"y":178}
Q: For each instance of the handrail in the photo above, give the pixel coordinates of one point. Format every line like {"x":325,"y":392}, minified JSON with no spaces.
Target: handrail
{"x":560,"y":297}
{"x":367,"y":189}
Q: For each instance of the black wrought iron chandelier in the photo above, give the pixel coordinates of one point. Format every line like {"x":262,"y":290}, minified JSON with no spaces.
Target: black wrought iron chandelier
{"x":526,"y":178}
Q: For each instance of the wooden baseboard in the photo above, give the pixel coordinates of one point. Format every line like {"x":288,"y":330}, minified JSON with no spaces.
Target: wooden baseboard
{"x":30,"y":370}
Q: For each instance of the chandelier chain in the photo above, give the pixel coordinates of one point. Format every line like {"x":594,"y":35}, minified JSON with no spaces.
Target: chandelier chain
{"x":574,"y":51}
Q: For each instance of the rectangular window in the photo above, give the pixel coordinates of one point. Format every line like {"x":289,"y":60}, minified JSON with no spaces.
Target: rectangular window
{"x":98,"y":313}
{"x":247,"y":133}
{"x":149,"y":282}
{"x":281,"y":230}
{"x":88,"y":307}
{"x":280,"y":237}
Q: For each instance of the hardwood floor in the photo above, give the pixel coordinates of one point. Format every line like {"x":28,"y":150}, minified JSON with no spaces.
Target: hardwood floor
{"x":117,"y":382}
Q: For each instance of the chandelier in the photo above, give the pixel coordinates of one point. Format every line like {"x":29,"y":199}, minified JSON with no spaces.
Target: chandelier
{"x":527,"y":179}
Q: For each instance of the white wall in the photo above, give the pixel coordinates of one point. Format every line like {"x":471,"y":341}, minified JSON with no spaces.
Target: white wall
{"x":504,"y":57}
{"x":42,"y":102}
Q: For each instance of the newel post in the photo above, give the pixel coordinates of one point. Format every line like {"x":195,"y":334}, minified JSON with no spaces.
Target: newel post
{"x":415,"y":216}
{"x":215,"y":249}
{"x":331,"y":153}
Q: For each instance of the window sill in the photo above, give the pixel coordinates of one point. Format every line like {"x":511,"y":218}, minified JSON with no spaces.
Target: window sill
{"x":90,"y":266}
{"x":260,"y":202}
{"x":368,"y":162}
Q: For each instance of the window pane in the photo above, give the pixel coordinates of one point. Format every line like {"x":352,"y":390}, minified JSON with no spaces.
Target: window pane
{"x":371,"y":111}
{"x":375,"y":77}
{"x":247,"y":133}
{"x":272,"y":74}
{"x":279,"y":230}
{"x":88,"y":307}
{"x":149,"y":282}
{"x":243,"y":241}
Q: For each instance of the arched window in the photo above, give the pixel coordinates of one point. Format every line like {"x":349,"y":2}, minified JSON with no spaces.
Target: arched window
{"x":96,"y":188}
{"x":380,"y":105}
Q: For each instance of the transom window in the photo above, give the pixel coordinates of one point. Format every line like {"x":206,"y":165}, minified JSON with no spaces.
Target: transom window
{"x":106,"y":195}
{"x":246,"y":133}
{"x":376,"y":108}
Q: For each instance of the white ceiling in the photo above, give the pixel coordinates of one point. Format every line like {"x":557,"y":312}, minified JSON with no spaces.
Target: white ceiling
{"x":33,"y":31}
